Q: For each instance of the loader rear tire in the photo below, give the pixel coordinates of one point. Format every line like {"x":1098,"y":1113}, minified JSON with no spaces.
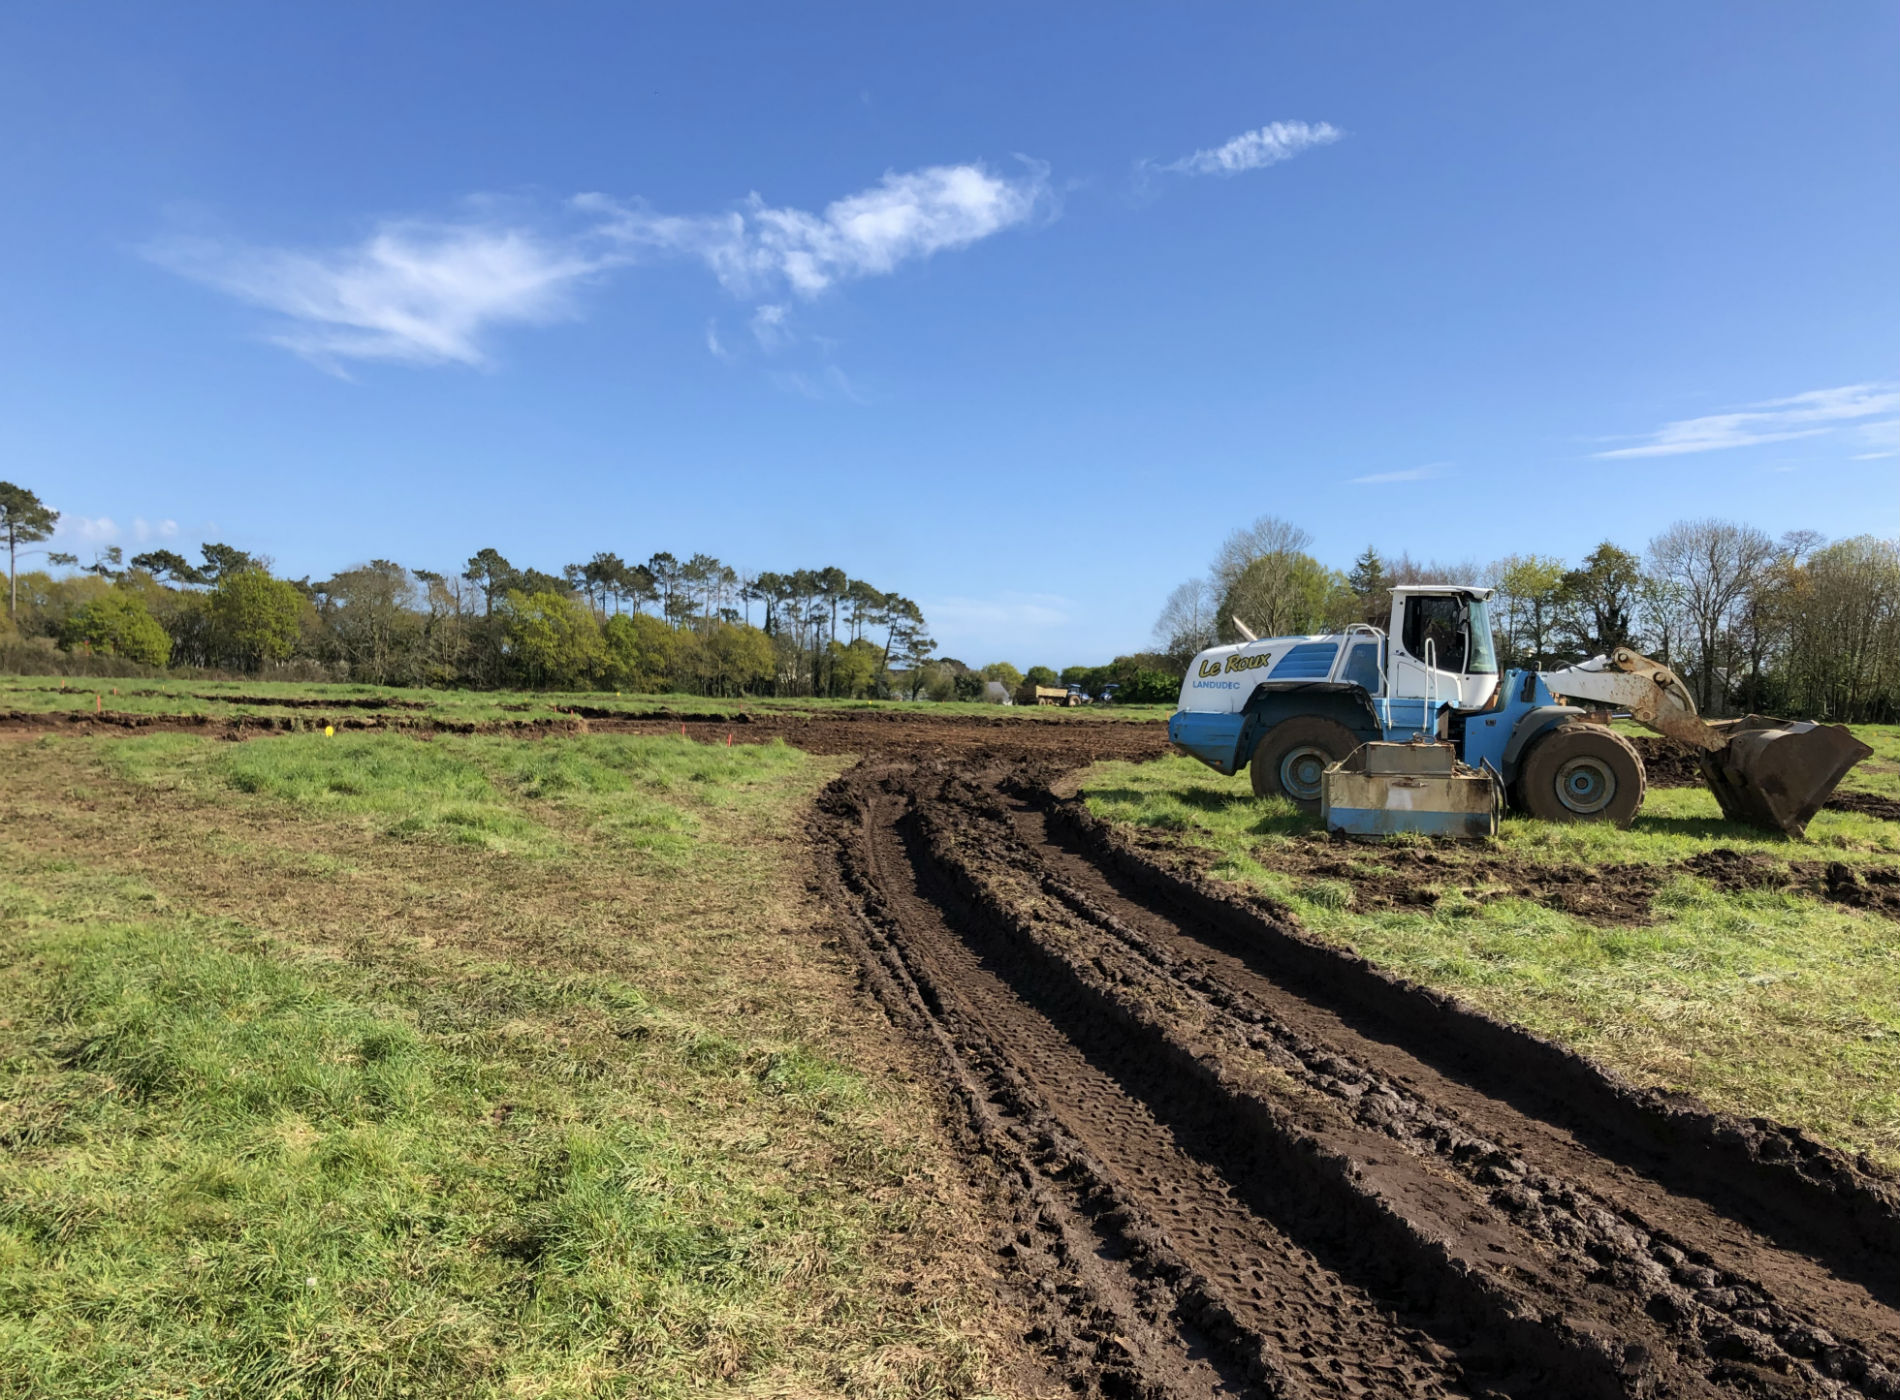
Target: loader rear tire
{"x":1288,"y":760}
{"x":1581,"y":773}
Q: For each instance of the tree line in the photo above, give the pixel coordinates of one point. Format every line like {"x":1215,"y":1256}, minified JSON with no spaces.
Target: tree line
{"x":1791,"y":625}
{"x":668,"y":624}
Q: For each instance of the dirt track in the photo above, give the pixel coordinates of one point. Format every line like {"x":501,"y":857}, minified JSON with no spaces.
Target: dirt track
{"x":1239,"y":1162}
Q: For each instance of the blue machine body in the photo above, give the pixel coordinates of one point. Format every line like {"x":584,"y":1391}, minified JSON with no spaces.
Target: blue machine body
{"x":1497,"y":735}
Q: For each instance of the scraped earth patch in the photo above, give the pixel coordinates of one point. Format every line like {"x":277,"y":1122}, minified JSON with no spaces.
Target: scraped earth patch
{"x":1241,"y":1161}
{"x":1871,"y":887}
{"x":1373,"y":878}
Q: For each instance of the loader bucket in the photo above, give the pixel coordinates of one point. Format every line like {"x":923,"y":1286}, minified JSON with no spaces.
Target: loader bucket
{"x":1777,"y":775}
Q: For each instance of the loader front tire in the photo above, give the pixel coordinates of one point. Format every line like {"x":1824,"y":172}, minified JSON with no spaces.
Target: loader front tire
{"x":1581,"y":773}
{"x":1288,"y":760}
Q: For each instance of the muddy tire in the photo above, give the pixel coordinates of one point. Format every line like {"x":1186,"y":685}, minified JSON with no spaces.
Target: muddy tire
{"x":1288,"y":760}
{"x":1581,"y":773}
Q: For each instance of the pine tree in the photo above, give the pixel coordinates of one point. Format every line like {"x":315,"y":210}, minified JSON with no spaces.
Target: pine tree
{"x":1371,"y":586}
{"x":24,"y":519}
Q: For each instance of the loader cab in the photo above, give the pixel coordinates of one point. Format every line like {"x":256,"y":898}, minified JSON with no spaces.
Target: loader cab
{"x":1440,"y":646}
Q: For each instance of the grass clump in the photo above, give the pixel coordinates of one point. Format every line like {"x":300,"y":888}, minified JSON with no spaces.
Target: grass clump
{"x":428,"y":791}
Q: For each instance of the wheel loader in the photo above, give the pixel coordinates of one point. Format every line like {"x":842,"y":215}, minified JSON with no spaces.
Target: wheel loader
{"x":1288,"y":708}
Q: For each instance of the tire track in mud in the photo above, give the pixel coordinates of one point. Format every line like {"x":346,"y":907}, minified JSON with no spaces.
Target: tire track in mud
{"x":1253,"y":1190}
{"x":1188,"y":1291}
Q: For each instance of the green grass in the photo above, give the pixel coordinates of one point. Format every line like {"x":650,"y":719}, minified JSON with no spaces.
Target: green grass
{"x":303,"y":1092}
{"x":228,"y":699}
{"x":1772,"y":1003}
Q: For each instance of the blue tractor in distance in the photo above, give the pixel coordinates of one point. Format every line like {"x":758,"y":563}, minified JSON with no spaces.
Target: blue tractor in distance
{"x":1288,"y":708}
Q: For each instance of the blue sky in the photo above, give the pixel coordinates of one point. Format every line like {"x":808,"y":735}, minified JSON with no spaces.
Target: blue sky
{"x":1015,"y":310}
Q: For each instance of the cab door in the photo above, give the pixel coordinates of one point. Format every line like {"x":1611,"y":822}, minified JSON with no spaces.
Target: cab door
{"x":1442,"y":625}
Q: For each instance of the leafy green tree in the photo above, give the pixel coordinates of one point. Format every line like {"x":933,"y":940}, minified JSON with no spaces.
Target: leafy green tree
{"x":1040,"y":675}
{"x":373,"y":621}
{"x":739,"y":658}
{"x":853,"y":668}
{"x":254,"y":618}
{"x":1282,"y":594}
{"x":636,"y":585}
{"x":491,"y":573}
{"x":118,"y":624}
{"x":1002,"y":671}
{"x":24,"y":519}
{"x":553,"y":640}
{"x":641,"y":653}
{"x":1598,"y":599}
{"x":1531,"y":588}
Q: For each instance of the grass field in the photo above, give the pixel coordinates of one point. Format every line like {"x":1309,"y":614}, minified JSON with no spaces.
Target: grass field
{"x":225,"y":699}
{"x":475,"y":1065}
{"x":377,"y":1067}
{"x":1767,"y":1002}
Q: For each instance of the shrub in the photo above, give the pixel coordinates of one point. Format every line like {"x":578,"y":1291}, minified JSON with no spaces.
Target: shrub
{"x":117,"y":624}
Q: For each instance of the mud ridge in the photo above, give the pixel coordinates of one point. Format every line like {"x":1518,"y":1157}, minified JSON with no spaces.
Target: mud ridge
{"x":1360,"y":1224}
{"x":1871,"y":887}
{"x":1419,"y":876}
{"x":1174,"y":1121}
{"x":1732,"y":1315}
{"x":1116,"y":1312}
{"x":1817,"y":1198}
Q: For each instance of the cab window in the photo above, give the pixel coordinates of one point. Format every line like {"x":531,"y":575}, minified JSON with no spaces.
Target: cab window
{"x":1362,"y":668}
{"x":1439,"y":620}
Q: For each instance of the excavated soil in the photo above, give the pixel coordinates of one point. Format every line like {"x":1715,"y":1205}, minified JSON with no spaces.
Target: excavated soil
{"x":1370,"y":878}
{"x":1068,"y":741}
{"x":1242,"y":1162}
{"x":1873,"y":887}
{"x":1867,"y":804}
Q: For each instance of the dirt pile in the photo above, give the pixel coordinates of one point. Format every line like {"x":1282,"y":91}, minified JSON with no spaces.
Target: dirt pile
{"x":1871,"y":887}
{"x":1365,"y":877}
{"x":1668,"y":764}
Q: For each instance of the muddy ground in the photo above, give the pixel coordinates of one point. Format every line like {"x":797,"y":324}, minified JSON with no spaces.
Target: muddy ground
{"x":1235,"y":1161}
{"x":1225,"y":1159}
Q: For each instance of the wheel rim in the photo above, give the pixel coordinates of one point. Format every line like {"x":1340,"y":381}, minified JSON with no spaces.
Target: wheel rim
{"x":1586,"y":785}
{"x":1300,"y":771}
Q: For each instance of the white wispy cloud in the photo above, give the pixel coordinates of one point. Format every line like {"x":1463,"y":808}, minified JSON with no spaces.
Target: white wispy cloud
{"x":416,"y":293}
{"x":98,"y":531}
{"x":1881,"y":439}
{"x":768,"y":326}
{"x":431,"y":293}
{"x":758,"y":250}
{"x":1251,"y":150}
{"x":1776,"y":420}
{"x":94,"y":530}
{"x":1424,"y":473}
